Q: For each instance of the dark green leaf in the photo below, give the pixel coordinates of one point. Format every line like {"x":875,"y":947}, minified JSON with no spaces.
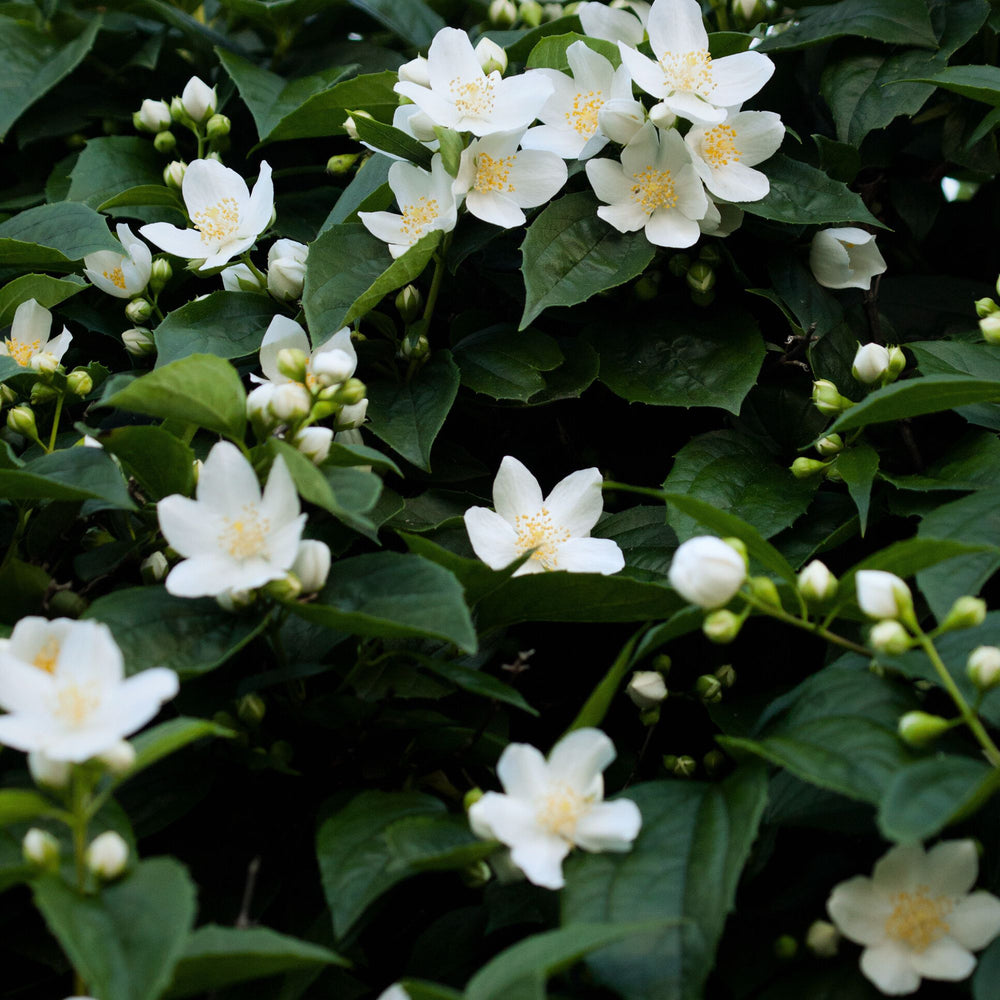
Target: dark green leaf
{"x":412,"y":20}
{"x":111,"y":164}
{"x":858,"y":466}
{"x":54,"y":235}
{"x":505,"y":363}
{"x":979,"y":83}
{"x":987,"y":974}
{"x":478,"y":683}
{"x":161,"y":463}
{"x":368,"y":191}
{"x":43,"y":288}
{"x":143,"y":194}
{"x":227,"y":324}
{"x":393,"y":141}
{"x":169,"y":737}
{"x":17,"y":805}
{"x":550,"y":52}
{"x":71,"y":474}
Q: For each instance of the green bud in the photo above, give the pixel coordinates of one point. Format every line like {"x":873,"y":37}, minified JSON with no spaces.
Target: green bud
{"x":785,"y":947}
{"x":678,"y":265}
{"x":138,"y":342}
{"x":409,"y":303}
{"x":165,"y":142}
{"x":21,"y":420}
{"x":806,"y":468}
{"x":763,"y":588}
{"x":286,"y":588}
{"x":292,"y":363}
{"x":552,"y":11}
{"x":647,"y":287}
{"x":476,"y":875}
{"x":502,"y":14}
{"x":67,"y":604}
{"x":471,"y":797}
{"x":708,"y":688}
{"x":251,"y":709}
{"x":830,"y":445}
{"x":989,"y":327}
{"x":415,"y":351}
{"x":983,"y":667}
{"x":531,"y":13}
{"x":79,"y":382}
{"x":685,"y":766}
{"x":451,"y":146}
{"x":341,"y":164}
{"x":662,"y":663}
{"x":986,"y":307}
{"x":138,"y":310}
{"x":823,"y":939}
{"x":726,"y":675}
{"x":919,"y":729}
{"x":177,"y":111}
{"x":827,"y":398}
{"x":42,"y":393}
{"x":669,"y":761}
{"x":701,"y":277}
{"x":721,"y":626}
{"x":889,"y":637}
{"x":217,"y":126}
{"x":897,"y":363}
{"x":160,"y":273}
{"x":713,"y":762}
{"x":7,"y":395}
{"x":710,"y":254}
{"x":966,"y":612}
{"x":703,"y":299}
{"x":173,"y":174}
{"x":350,"y":392}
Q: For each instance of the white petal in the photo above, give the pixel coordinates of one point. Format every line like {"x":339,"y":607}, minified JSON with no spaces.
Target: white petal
{"x":598,"y":20}
{"x":541,"y":858}
{"x":578,"y":759}
{"x":439,"y":110}
{"x":340,"y":341}
{"x":609,"y":182}
{"x":282,"y":548}
{"x":217,"y":256}
{"x":94,"y":270}
{"x":281,"y":332}
{"x":25,"y":732}
{"x":522,"y":771}
{"x":515,"y":490}
{"x":647,"y":74}
{"x":205,"y":184}
{"x":901,"y":869}
{"x":452,"y":56}
{"x":590,"y":555}
{"x":669,"y":228}
{"x":609,"y":826}
{"x":625,"y":218}
{"x":951,"y":868}
{"x":736,"y":182}
{"x":944,"y":959}
{"x":31,"y":322}
{"x":888,"y":966}
{"x":738,"y":77}
{"x":385,"y":226}
{"x":494,"y":208}
{"x":58,"y":346}
{"x":137,"y":699}
{"x":676,"y":26}
{"x":537,"y":176}
{"x":227,"y":481}
{"x":203,"y":576}
{"x":576,"y":502}
{"x":261,"y":203}
{"x":694,"y":108}
{"x":89,"y":655}
{"x":79,"y":744}
{"x":186,"y":243}
{"x":975,"y":921}
{"x":187,"y":526}
{"x":860,"y":910}
{"x":280,"y":501}
{"x":519,"y":99}
{"x":23,"y":688}
{"x":493,"y":539}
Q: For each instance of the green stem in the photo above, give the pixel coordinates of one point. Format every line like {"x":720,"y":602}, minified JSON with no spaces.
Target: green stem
{"x":432,"y":294}
{"x":78,"y":825}
{"x":807,"y":626}
{"x":55,"y":423}
{"x":968,"y":715}
{"x":256,"y":271}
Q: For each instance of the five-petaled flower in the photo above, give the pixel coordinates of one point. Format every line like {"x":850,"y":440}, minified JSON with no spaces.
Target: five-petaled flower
{"x":551,"y":806}
{"x":29,"y":335}
{"x":233,"y":537}
{"x":555,"y":530}
{"x":121,"y":275}
{"x":916,"y":915}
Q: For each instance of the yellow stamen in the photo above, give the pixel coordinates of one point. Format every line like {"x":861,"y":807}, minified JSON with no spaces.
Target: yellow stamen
{"x":22,"y":351}
{"x":219,"y":221}
{"x":654,"y":189}
{"x":418,"y":216}
{"x":74,"y":705}
{"x":582,"y":116}
{"x":474,"y":97}
{"x":536,"y":531}
{"x":116,"y":278}
{"x":688,"y":72}
{"x":493,"y":175}
{"x":560,"y":812}
{"x":719,"y":146}
{"x":918,"y":919}
{"x":246,"y":537}
{"x":45,"y":658}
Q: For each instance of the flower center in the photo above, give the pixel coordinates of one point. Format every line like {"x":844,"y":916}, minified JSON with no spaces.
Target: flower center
{"x":719,"y":146}
{"x":218,"y":222}
{"x":74,"y":705}
{"x":116,"y":278}
{"x":45,"y":658}
{"x":560,"y":811}
{"x":536,"y":531}
{"x":688,"y":72}
{"x":22,"y":350}
{"x":493,"y":175}
{"x":418,"y":216}
{"x":582,"y":116}
{"x":654,"y":189}
{"x":245,"y":537}
{"x":918,"y":920}
{"x":474,"y":97}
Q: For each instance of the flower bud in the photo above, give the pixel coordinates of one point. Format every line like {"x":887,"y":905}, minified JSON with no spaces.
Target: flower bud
{"x":823,"y":939}
{"x":785,"y":947}
{"x":816,"y":583}
{"x":646,"y":688}
{"x":107,"y":855}
{"x":349,"y":122}
{"x":42,"y":393}
{"x":966,"y":612}
{"x":989,"y":327}
{"x":138,"y":342}
{"x":707,"y":571}
{"x":700,"y":276}
{"x":287,"y":588}
{"x":165,"y":142}
{"x":827,"y":399}
{"x":708,"y":688}
{"x":119,"y":758}
{"x":46,"y":772}
{"x":414,"y":351}
{"x":552,"y":11}
{"x":763,"y":588}
{"x":342,"y":163}
{"x":235,"y":601}
{"x":415,"y":71}
{"x":713,"y":762}
{"x":173,"y":174}
{"x":678,"y":264}
{"x":919,"y":729}
{"x":889,"y":637}
{"x":251,"y":709}
{"x":152,"y":116}
{"x":684,"y":766}
{"x":45,"y":363}
{"x":159,"y":274}
{"x":409,"y":302}
{"x":471,"y":797}
{"x":292,"y":363}
{"x":986,"y":307}
{"x":883,"y":595}
{"x":312,"y":564}
{"x":41,"y":850}
{"x":748,"y":11}
{"x":502,"y":14}
{"x":721,"y":626}
{"x":351,"y":416}
{"x":830,"y":445}
{"x":138,"y":311}
{"x":7,"y":395}
{"x":286,"y":272}
{"x":662,"y":117}
{"x":491,"y":57}
{"x":897,"y":363}
{"x":239,"y":278}
{"x":198,"y":100}
{"x":531,"y":13}
{"x":21,"y":420}
{"x":314,"y":443}
{"x":351,"y":392}
{"x":620,"y":118}
{"x":79,"y":382}
{"x":217,"y":127}
{"x":290,"y":401}
{"x":871,"y":362}
{"x":726,"y":675}
{"x":983,"y":667}
{"x":154,"y":567}
{"x":806,"y":468}
{"x":259,"y":409}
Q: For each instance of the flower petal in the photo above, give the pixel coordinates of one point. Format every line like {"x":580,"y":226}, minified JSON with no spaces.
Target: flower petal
{"x":975,"y":921}
{"x":186,"y":243}
{"x":738,"y":77}
{"x":944,"y":959}
{"x":576,"y":502}
{"x":136,"y":700}
{"x":676,"y":26}
{"x":860,"y":910}
{"x":515,"y":490}
{"x":89,"y":654}
{"x":609,"y":826}
{"x":889,"y":967}
{"x":670,"y":228}
{"x":281,"y":332}
{"x":493,"y":539}
{"x":186,"y":525}
{"x":260,"y":204}
{"x":522,"y":771}
{"x":204,"y":576}
{"x":900,"y":870}
{"x":578,"y":759}
{"x":280,"y":502}
{"x":23,"y":688}
{"x":951,"y":868}
{"x":31,"y":322}
{"x":590,"y":555}
{"x":541,"y":858}
{"x":227,"y":481}
{"x":206,"y":183}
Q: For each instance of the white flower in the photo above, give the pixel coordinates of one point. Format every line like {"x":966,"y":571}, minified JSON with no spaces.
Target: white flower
{"x":556,"y":528}
{"x":724,"y":155}
{"x":707,"y":571}
{"x":598,"y":20}
{"x":462,"y":97}
{"x":107,"y":855}
{"x":29,"y":335}
{"x":881,"y":594}
{"x":916,"y":916}
{"x":655,"y":188}
{"x":227,"y":217}
{"x":312,"y":564}
{"x":426,"y":201}
{"x":121,"y":275}
{"x":646,"y":688}
{"x":154,"y":116}
{"x":688,"y":81}
{"x":334,"y":357}
{"x":497,"y":181}
{"x":571,"y":115}
{"x":63,"y":683}
{"x":845,"y":258}
{"x":552,"y":806}
{"x":239,"y":278}
{"x":199,"y":99}
{"x":232,"y":537}
{"x":871,"y":362}
{"x":314,"y":443}
{"x":286,"y":269}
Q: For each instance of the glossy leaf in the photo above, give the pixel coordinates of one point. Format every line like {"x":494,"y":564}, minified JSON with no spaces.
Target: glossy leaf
{"x":54,"y":235}
{"x":858,"y":465}
{"x":504,"y":363}
{"x":901,"y":22}
{"x":226,"y":324}
{"x":412,"y":20}
{"x":161,"y":463}
{"x":45,"y":289}
{"x":70,"y":474}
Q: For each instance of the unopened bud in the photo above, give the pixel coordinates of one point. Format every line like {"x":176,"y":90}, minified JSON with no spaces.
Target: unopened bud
{"x":806,"y":468}
{"x":350,"y":126}
{"x":721,"y":626}
{"x":897,"y":363}
{"x":160,"y":273}
{"x":700,"y":277}
{"x":154,"y":567}
{"x":662,"y":663}
{"x":830,"y":445}
{"x":235,"y":601}
{"x":726,"y":675}
{"x":827,"y":399}
{"x":713,"y":762}
{"x":107,"y":855}
{"x":152,"y":116}
{"x":966,"y":612}
{"x":41,"y":850}
{"x":409,"y":303}
{"x":708,"y":688}
{"x":983,"y":667}
{"x":475,"y":876}
{"x":165,"y":142}
{"x":342,"y":163}
{"x":138,"y":342}
{"x":989,"y":326}
{"x":251,"y":709}
{"x":883,"y":595}
{"x":351,"y":392}
{"x":531,"y":13}
{"x":918,"y":729}
{"x":986,"y":307}
{"x":647,"y":287}
{"x":314,"y":443}
{"x":42,"y":393}
{"x":173,"y":174}
{"x":785,"y":947}
{"x":871,"y":361}
{"x":552,"y":11}
{"x":414,"y":351}
{"x":332,"y":367}
{"x":740,"y":548}
{"x":763,"y":588}
{"x":471,"y":797}
{"x":7,"y":395}
{"x":823,"y":939}
{"x":21,"y":420}
{"x":79,"y":382}
{"x":502,"y":14}
{"x":218,"y":126}
{"x":138,"y":310}
{"x":198,"y":100}
{"x":491,"y":57}
{"x":678,"y":264}
{"x":816,"y":583}
{"x":889,"y":637}
{"x":48,"y":773}
{"x":287,"y":588}
{"x":177,"y":112}
{"x":312,"y":564}
{"x":290,"y":402}
{"x":646,"y":689}
{"x":119,"y":758}
{"x":292,"y":363}
{"x":351,"y":416}
{"x":45,"y":363}
{"x":684,"y":766}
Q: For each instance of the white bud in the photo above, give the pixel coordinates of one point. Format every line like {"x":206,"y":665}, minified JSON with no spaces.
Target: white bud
{"x":883,"y":595}
{"x":502,"y":13}
{"x":107,"y":855}
{"x":871,"y":362}
{"x":286,"y":249}
{"x":259,"y":404}
{"x":332,"y":366}
{"x":314,"y":443}
{"x":173,"y":174}
{"x":44,"y":362}
{"x":662,"y":117}
{"x":845,"y":258}
{"x":620,"y":118}
{"x":239,"y":278}
{"x":983,"y":667}
{"x":823,"y":939}
{"x":351,"y":416}
{"x":119,"y":758}
{"x":47,"y":772}
{"x":235,"y":600}
{"x":889,"y":637}
{"x":290,"y":401}
{"x":350,"y":128}
{"x":199,"y":99}
{"x":138,"y":341}
{"x":312,"y":564}
{"x":491,"y":57}
{"x":285,"y":278}
{"x":154,"y":116}
{"x":41,"y":849}
{"x":647,"y":688}
{"x":816,"y":583}
{"x":707,"y":571}
{"x":415,"y":71}
{"x":989,"y":326}
{"x":154,"y":567}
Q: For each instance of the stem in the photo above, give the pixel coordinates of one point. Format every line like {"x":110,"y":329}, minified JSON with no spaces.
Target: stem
{"x":55,"y":423}
{"x":815,"y":628}
{"x":78,"y":825}
{"x":256,"y":271}
{"x":432,"y":294}
{"x":948,"y":683}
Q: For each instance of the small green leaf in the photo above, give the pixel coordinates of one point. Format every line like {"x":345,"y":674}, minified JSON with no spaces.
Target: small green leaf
{"x":18,"y":805}
{"x":550,"y":52}
{"x":70,"y":474}
{"x":54,"y":236}
{"x":161,"y":463}
{"x":227,"y":324}
{"x":858,"y":466}
{"x":393,"y":141}
{"x":43,"y":288}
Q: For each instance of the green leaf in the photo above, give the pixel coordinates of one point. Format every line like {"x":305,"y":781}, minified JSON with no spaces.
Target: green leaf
{"x":393,"y":141}
{"x":71,"y":474}
{"x":43,"y":288}
{"x":569,"y":255}
{"x":389,"y":594}
{"x":858,"y":466}
{"x":54,"y":236}
{"x":156,"y":195}
{"x":979,"y":83}
{"x":804,"y":195}
{"x":412,"y":20}
{"x":111,"y":164}
{"x":734,"y":472}
{"x":227,"y":324}
{"x":125,"y":941}
{"x":367,"y":191}
{"x":898,"y":22}
{"x":33,"y":63}
{"x":685,"y":358}
{"x":23,"y":587}
{"x":478,"y":683}
{"x":925,"y":797}
{"x":18,"y":805}
{"x":505,"y":363}
{"x":218,"y":957}
{"x":380,"y":838}
{"x":169,"y":737}
{"x":407,"y":416}
{"x":980,"y":360}
{"x":349,"y":272}
{"x":987,"y":974}
{"x":161,"y":463}
{"x":155,"y":629}
{"x":550,"y":52}
{"x":837,"y":730}
{"x":199,"y":389}
{"x":693,"y":836}
{"x":972,"y":462}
